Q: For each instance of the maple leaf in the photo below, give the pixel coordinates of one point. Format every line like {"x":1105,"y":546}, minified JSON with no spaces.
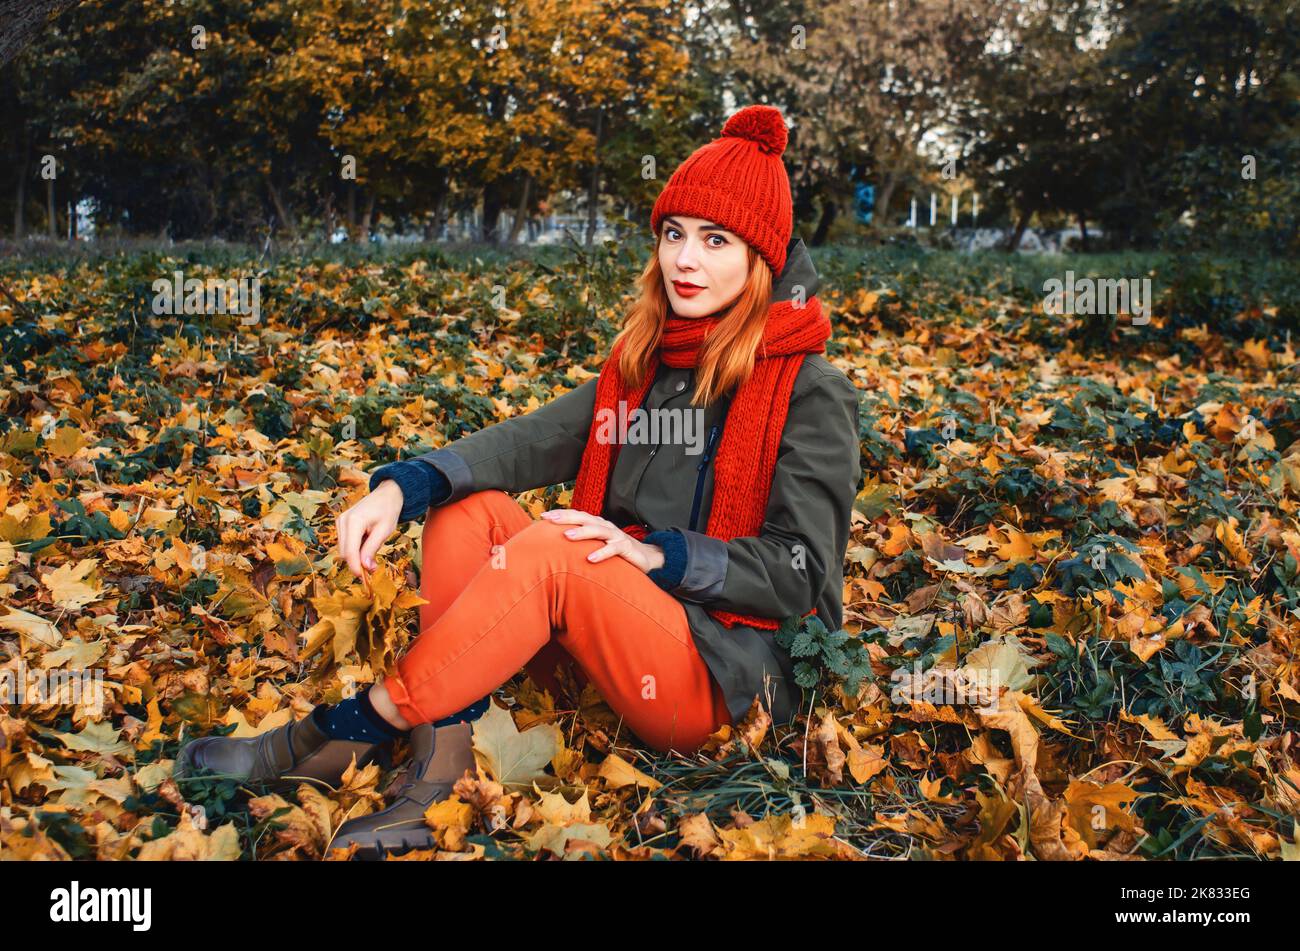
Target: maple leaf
{"x":1002,"y":662}
{"x":510,"y":757}
{"x":187,"y":843}
{"x":68,"y":586}
{"x":784,"y":837}
{"x":30,"y":625}
{"x":1091,"y":807}
{"x":557,"y":838}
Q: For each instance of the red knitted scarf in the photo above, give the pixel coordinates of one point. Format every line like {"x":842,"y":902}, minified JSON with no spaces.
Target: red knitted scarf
{"x":746,"y":456}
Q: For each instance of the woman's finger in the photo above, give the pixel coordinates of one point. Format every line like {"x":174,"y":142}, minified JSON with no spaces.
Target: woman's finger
{"x":345,"y":540}
{"x":354,"y":535}
{"x":376,"y":538}
{"x":353,"y":551}
{"x":607,"y":551}
{"x":579,"y":532}
{"x":569,"y":516}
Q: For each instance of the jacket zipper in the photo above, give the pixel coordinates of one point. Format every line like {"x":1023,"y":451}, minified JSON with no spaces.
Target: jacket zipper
{"x":644,"y":403}
{"x":699,"y":479}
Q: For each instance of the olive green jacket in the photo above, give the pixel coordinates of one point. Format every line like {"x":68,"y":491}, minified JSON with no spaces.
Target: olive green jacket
{"x":795,"y":563}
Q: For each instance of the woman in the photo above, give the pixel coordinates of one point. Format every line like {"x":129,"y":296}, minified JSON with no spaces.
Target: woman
{"x":665,"y":581}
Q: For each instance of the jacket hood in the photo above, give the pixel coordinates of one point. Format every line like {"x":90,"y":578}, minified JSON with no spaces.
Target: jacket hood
{"x":798,"y":272}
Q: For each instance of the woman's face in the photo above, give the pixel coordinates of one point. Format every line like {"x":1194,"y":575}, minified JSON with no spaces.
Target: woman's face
{"x":696,"y":253}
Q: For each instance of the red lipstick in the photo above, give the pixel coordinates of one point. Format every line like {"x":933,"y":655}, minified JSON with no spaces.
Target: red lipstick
{"x":686,"y":289}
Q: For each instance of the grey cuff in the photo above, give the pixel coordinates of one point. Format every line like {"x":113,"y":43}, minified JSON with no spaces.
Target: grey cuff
{"x":706,"y":566}
{"x":457,"y":471}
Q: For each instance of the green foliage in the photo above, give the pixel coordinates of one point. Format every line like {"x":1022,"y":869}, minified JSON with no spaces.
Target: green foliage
{"x":822,"y":656}
{"x":79,"y":525}
{"x":1094,"y":681}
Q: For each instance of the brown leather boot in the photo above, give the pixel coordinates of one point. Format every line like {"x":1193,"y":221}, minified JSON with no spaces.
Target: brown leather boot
{"x":282,"y":758}
{"x":439,"y":757}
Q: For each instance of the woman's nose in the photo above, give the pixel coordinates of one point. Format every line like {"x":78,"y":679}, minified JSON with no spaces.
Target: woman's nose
{"x":686,"y":256}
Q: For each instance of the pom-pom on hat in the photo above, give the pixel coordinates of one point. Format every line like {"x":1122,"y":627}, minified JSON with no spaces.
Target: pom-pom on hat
{"x":738,"y":181}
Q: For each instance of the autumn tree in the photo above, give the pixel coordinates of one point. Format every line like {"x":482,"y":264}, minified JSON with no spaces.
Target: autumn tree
{"x":866,"y":83}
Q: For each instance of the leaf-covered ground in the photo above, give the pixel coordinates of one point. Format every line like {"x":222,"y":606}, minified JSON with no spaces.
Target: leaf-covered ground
{"x":1091,"y":525}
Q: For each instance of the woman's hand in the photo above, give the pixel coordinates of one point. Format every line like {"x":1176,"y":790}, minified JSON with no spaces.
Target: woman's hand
{"x":368,"y":524}
{"x":617,"y":542}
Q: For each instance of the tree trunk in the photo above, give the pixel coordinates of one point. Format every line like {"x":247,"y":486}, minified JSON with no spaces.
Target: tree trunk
{"x":439,"y":216}
{"x":366,"y":217}
{"x":521,"y":210}
{"x":885,"y":198}
{"x":20,"y":197}
{"x":436,"y":222}
{"x":491,"y":212}
{"x":352,"y":211}
{"x":593,"y":189}
{"x":280,"y":209}
{"x":435,"y":215}
{"x":829,"y":211}
{"x":49,"y":208}
{"x":1083,"y":231}
{"x":1021,"y":224}
{"x":21,"y":20}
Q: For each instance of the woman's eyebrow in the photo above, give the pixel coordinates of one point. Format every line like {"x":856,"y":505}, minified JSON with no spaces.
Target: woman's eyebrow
{"x":710,"y":226}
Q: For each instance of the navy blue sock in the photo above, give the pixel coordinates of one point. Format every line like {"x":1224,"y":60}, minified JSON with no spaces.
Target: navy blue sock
{"x":356,"y":719}
{"x":468,"y":715}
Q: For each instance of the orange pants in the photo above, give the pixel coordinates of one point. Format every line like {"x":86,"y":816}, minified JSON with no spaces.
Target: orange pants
{"x":506,"y":591}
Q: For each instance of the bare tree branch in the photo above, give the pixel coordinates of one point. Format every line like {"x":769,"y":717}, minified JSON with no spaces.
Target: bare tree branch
{"x":20,"y":20}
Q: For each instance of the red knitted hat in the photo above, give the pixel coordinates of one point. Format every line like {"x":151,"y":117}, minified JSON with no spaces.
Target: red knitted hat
{"x":738,"y":181}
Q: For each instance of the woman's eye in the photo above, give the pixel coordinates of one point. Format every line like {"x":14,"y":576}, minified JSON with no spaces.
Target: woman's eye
{"x":721,"y":240}
{"x":671,"y":232}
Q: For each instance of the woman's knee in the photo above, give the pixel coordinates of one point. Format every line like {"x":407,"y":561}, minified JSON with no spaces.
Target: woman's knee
{"x":544,"y":543}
